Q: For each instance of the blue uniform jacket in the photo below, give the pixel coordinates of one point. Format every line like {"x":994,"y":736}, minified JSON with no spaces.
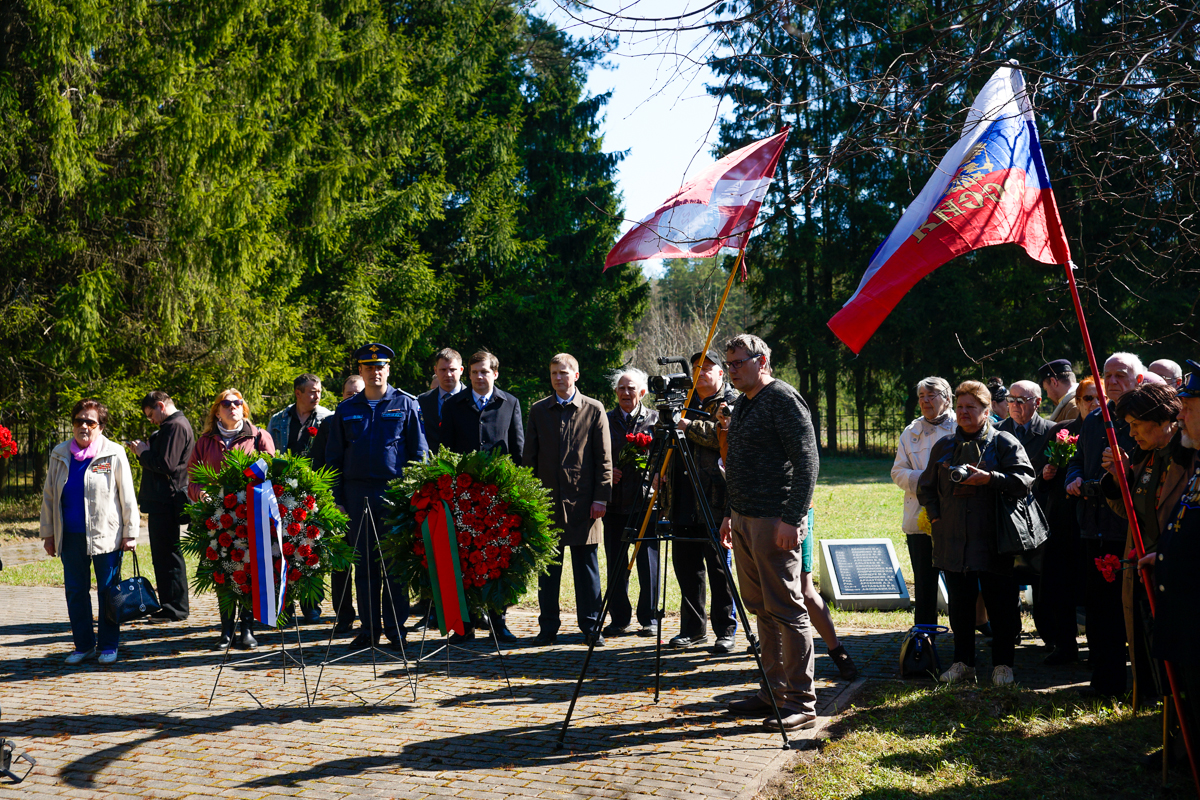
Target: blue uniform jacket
{"x":372,"y":446}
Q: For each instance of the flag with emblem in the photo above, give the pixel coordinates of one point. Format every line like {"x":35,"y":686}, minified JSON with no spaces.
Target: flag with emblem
{"x":991,"y":188}
{"x":714,"y":211}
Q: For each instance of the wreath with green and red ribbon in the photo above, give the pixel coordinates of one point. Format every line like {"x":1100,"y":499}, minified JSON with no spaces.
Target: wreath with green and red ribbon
{"x":312,"y":529}
{"x":500,"y":518}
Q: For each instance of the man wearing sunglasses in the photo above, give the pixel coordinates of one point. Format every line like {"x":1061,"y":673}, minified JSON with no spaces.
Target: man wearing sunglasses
{"x":373,"y":435}
{"x":770,"y":472}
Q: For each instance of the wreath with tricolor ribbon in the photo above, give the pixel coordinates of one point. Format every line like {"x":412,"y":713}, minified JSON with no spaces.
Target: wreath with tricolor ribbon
{"x":266,"y":534}
{"x":468,"y":532}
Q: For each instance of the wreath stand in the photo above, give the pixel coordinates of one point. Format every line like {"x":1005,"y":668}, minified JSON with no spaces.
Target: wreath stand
{"x":447,"y":648}
{"x":367,"y":527}
{"x":283,"y":653}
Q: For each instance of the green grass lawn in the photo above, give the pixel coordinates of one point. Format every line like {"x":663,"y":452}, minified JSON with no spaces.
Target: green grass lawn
{"x":855,"y":498}
{"x":901,"y":741}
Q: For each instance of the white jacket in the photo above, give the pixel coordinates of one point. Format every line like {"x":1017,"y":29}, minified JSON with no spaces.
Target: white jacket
{"x":912,"y":456}
{"x":109,"y":499}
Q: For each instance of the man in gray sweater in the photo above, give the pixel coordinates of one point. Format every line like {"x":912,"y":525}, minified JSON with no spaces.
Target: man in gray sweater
{"x":770,"y":472}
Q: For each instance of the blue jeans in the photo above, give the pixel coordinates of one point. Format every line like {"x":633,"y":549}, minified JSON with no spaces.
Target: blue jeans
{"x":78,"y":579}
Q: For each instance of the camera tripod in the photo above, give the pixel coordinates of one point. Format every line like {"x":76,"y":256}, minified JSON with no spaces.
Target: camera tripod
{"x":668,"y":439}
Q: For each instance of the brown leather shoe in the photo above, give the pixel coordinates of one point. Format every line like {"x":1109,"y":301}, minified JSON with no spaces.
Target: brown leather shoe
{"x":791,"y":722}
{"x":748,"y":706}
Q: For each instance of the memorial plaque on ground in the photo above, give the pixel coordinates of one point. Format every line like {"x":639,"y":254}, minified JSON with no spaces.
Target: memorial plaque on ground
{"x":862,"y":573}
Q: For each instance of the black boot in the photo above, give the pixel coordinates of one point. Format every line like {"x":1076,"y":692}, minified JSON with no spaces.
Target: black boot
{"x":247,"y":641}
{"x":227,"y":624}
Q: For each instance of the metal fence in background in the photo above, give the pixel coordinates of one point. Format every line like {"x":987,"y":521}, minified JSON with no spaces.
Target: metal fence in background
{"x":878,"y":434}
{"x":22,"y":475}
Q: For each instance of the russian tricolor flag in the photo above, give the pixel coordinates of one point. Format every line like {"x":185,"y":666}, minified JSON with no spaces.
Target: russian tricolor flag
{"x":990,"y":188}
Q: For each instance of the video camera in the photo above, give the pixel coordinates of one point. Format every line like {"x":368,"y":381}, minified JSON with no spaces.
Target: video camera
{"x":671,"y":390}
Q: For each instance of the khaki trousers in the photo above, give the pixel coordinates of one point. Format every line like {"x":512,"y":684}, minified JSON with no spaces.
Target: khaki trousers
{"x":769,"y":579}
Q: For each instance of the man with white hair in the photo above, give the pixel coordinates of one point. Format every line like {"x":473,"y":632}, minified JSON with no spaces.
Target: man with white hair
{"x":629,"y":419}
{"x":1169,"y":371}
{"x":1102,"y":530}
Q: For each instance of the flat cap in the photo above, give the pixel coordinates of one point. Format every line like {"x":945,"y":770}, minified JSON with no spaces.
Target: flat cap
{"x":711,"y":355}
{"x":1053,"y":369}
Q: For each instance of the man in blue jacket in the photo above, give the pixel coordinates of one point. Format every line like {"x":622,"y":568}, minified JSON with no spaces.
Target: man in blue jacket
{"x":373,"y":435}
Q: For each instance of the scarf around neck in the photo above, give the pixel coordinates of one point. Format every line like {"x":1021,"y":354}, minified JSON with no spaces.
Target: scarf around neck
{"x":83,"y":454}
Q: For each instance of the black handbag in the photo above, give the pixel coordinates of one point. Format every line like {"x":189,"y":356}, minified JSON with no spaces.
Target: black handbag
{"x":1021,"y":526}
{"x":132,"y":598}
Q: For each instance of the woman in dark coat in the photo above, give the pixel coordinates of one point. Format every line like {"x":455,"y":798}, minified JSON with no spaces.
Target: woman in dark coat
{"x":961,"y":505}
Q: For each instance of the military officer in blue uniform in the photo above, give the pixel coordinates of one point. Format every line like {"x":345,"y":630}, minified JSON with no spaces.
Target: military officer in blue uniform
{"x":373,"y":435}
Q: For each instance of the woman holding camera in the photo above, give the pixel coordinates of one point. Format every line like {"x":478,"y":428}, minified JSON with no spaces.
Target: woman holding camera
{"x":958,"y":489}
{"x":89,"y":516}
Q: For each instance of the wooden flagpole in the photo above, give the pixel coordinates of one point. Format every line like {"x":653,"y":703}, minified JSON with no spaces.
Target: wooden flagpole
{"x":662,"y":475}
{"x":1127,"y":499}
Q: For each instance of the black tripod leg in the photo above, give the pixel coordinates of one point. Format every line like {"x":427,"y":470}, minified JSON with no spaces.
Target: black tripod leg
{"x":500,"y":655}
{"x":341,"y":604}
{"x":587,"y":660}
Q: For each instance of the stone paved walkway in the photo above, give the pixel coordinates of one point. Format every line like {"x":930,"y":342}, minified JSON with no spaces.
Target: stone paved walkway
{"x":143,"y":727}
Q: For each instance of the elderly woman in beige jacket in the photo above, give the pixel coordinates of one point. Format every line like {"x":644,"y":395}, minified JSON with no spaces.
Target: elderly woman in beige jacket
{"x":89,"y":516}
{"x":912,"y":456}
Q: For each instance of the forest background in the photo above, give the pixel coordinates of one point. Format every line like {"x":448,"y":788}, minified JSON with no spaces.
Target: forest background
{"x":202,"y":195}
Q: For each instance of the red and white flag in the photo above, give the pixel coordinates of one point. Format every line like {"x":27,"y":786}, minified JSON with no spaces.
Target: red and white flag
{"x":715,"y":210}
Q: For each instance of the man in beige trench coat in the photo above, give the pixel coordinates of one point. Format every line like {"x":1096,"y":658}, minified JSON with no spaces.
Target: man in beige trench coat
{"x":567,"y":444}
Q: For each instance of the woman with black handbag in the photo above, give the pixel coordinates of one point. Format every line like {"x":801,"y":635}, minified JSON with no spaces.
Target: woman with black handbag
{"x":89,"y":516}
{"x":959,"y":491}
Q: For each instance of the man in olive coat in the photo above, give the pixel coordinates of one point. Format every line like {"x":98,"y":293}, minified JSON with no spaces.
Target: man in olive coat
{"x":568,"y":447}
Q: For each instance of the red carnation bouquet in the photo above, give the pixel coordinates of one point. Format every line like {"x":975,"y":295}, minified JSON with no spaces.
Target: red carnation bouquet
{"x":635,"y":454}
{"x":1061,"y":448}
{"x":8,"y":445}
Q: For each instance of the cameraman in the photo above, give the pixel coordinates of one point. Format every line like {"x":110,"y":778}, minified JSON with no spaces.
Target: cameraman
{"x":1102,"y":530}
{"x":692,"y":560}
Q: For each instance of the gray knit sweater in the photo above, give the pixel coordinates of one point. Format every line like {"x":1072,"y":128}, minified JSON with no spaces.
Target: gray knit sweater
{"x":772,"y":466}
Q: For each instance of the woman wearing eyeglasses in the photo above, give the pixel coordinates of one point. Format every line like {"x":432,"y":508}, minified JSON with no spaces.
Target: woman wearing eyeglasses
{"x":89,"y":516}
{"x":227,"y":427}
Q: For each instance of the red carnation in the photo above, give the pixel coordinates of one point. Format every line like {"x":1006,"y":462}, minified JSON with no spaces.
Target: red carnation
{"x":299,"y":513}
{"x":445,"y":482}
{"x":514,"y":538}
{"x":240,"y":511}
{"x":494,"y":573}
{"x":446,"y":495}
{"x":237,"y":555}
{"x":420,"y":516}
{"x":219,"y":577}
{"x":631,"y":437}
{"x":230,"y":500}
{"x":309,"y":501}
{"x":419,"y":547}
{"x":226,"y":521}
{"x":464,"y":481}
{"x":313,"y":532}
{"x":225,"y":539}
{"x":208,"y":523}
{"x":277,"y":489}
{"x":294,"y":574}
{"x":312,"y":560}
{"x":504,"y":562}
{"x":239,"y":576}
{"x":464,"y":539}
{"x":212,"y":554}
{"x":288,"y":548}
{"x":312,"y":430}
{"x":304,"y":550}
{"x":294,"y":529}
{"x":241,"y":531}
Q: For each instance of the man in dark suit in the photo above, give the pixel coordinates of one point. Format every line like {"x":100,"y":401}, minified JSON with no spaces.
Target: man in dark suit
{"x":448,"y":369}
{"x":630,"y":486}
{"x":485,"y":418}
{"x":568,"y":447}
{"x":1031,"y":429}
